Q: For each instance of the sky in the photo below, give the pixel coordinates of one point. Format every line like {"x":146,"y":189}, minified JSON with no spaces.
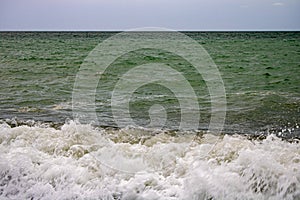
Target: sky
{"x":128,"y":14}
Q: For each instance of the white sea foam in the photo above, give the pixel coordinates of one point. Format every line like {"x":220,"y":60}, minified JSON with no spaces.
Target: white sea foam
{"x":81,"y":162}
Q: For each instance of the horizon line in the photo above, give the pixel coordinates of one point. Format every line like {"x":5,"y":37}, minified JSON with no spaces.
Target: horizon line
{"x":122,"y":30}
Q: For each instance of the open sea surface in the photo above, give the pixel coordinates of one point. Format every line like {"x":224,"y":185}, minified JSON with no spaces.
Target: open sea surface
{"x":47,"y":153}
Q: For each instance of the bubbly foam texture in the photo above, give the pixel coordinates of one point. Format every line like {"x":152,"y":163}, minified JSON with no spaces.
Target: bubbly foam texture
{"x":81,"y":162}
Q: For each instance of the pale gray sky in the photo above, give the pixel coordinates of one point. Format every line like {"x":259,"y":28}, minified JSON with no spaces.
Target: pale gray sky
{"x":127,"y":14}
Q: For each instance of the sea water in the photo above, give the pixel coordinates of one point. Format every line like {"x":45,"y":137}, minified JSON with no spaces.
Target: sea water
{"x":47,"y":154}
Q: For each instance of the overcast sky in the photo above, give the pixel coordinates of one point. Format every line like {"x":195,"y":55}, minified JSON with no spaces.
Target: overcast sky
{"x":128,"y":14}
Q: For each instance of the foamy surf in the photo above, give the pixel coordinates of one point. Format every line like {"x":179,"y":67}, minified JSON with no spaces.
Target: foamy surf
{"x":82,"y":162}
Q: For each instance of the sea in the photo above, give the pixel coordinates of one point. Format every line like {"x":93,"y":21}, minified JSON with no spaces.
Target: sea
{"x":142,"y":127}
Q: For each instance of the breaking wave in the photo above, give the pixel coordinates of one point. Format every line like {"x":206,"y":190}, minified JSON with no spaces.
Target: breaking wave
{"x":76,"y":161}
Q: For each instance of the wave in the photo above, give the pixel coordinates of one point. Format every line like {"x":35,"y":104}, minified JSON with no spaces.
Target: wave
{"x":76,"y":161}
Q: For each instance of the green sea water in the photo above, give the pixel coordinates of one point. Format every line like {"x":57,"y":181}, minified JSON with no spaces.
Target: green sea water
{"x":260,"y":71}
{"x":47,"y":154}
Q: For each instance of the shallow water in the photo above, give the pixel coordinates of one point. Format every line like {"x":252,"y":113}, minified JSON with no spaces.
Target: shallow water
{"x":78,"y":161}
